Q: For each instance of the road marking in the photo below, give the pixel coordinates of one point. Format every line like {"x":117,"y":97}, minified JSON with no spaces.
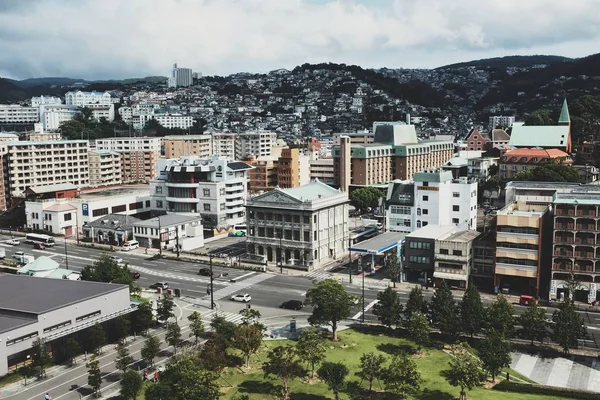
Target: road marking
{"x":367,"y":308}
{"x":243,"y":276}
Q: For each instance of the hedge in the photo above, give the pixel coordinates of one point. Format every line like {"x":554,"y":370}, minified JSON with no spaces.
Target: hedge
{"x":506,"y":386}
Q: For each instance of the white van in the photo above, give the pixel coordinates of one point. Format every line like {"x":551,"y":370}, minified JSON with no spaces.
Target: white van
{"x":130,"y":245}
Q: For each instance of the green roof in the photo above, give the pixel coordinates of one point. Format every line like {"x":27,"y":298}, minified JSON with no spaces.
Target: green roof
{"x":41,"y":263}
{"x":564,"y":118}
{"x":539,"y":136}
{"x":433,"y":176}
{"x":312,"y":191}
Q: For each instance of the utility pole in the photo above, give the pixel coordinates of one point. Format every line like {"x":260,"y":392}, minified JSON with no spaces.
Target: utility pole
{"x":159,"y":237}
{"x":177,"y":239}
{"x":66,"y":255}
{"x":77,"y":226}
{"x":280,"y":252}
{"x":212,"y":299}
{"x":350,"y":259}
{"x":363,"y":294}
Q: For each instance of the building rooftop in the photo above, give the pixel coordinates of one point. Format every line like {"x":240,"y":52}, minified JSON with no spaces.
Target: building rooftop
{"x":312,"y":191}
{"x":238,"y":166}
{"x":500,"y":135}
{"x":186,"y":137}
{"x":539,"y":153}
{"x":564,"y":117}
{"x":433,"y":231}
{"x":167,"y":220}
{"x":522,"y":209}
{"x":539,"y":136}
{"x":9,"y":321}
{"x":42,"y":263}
{"x":114,"y":221}
{"x":379,"y":243}
{"x":464,"y":236}
{"x":118,"y":191}
{"x":433,"y":175}
{"x":52,"y":188}
{"x":106,"y":152}
{"x":44,"y":142}
{"x":576,"y":198}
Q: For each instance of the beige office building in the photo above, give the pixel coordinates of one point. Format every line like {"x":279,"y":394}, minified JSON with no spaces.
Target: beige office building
{"x":105,"y":168}
{"x":188,"y":145}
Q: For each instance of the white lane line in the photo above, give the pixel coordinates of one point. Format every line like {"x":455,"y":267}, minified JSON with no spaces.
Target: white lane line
{"x":367,"y":308}
{"x":245,"y":275}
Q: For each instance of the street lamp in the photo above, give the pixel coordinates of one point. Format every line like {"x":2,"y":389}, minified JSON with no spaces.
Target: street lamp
{"x":363,"y":293}
{"x":212,"y":300}
{"x":159,"y":237}
{"x":350,"y":259}
{"x":66,"y":255}
{"x":280,"y":252}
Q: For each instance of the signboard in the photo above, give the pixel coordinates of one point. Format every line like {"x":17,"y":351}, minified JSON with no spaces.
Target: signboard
{"x":553,"y":287}
{"x":85,"y":210}
{"x":293,"y":325}
{"x":592,"y":295}
{"x":164,"y":236}
{"x":430,"y":188}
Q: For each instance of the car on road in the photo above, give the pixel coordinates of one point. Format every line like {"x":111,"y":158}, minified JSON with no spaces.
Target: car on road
{"x":292,"y":305}
{"x":117,"y":259}
{"x":160,"y":285}
{"x":13,"y":242}
{"x":39,"y":246}
{"x":135,"y":275}
{"x":205,"y":272}
{"x":241,"y":297}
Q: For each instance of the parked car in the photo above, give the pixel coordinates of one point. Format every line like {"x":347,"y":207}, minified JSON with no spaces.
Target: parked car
{"x":117,"y":259}
{"x":39,"y":246}
{"x":205,"y":272}
{"x":241,"y":297}
{"x":160,"y":285}
{"x":135,"y":275}
{"x":292,"y":305}
{"x":505,"y":289}
{"x":13,"y":242}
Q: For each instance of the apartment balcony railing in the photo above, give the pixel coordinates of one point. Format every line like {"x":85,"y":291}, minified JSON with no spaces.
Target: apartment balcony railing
{"x":564,"y":227}
{"x":586,"y":227}
{"x":559,"y":253}
{"x":589,"y":241}
{"x":561,"y":267}
{"x":584,"y":254}
{"x":563,"y":240}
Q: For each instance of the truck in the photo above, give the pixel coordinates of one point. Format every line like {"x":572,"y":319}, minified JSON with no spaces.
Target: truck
{"x":23,"y":258}
{"x":2,"y":253}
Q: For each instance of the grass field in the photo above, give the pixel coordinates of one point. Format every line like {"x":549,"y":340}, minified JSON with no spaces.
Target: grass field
{"x":348,"y":350}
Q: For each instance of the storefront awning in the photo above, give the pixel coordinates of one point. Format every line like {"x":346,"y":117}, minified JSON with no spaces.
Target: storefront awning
{"x":449,"y":276}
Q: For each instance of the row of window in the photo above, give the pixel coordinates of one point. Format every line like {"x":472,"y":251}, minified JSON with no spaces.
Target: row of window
{"x":262,"y":216}
{"x":419,"y":259}
{"x":120,"y":208}
{"x":419,"y":245}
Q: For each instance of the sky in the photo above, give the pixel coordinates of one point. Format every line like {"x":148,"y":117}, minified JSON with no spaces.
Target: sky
{"x":115,"y":39}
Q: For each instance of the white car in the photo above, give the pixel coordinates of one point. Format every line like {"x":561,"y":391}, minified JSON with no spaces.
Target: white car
{"x":241,"y":297}
{"x":117,"y":259}
{"x":13,"y":242}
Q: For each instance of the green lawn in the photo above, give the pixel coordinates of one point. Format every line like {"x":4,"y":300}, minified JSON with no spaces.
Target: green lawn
{"x":351,"y":346}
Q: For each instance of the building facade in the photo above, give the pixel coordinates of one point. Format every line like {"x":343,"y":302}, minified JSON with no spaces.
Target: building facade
{"x":139,"y":156}
{"x":258,"y":144}
{"x":53,"y":115}
{"x":505,"y":121}
{"x":188,"y":145}
{"x":181,"y":77}
{"x":224,"y":145}
{"x":16,"y":114}
{"x":419,"y":252}
{"x":293,"y":169}
{"x":84,"y":99}
{"x":514,"y":161}
{"x":42,"y":100}
{"x":304,"y":227}
{"x":263,"y":177}
{"x":105,"y":168}
{"x":322,"y":169}
{"x":170,"y":232}
{"x":454,"y":258}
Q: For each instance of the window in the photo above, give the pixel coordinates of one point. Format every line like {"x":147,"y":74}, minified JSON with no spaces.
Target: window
{"x":206,"y":192}
{"x":68,"y":217}
{"x":455,"y":220}
{"x":425,"y":198}
{"x":418,"y":224}
{"x":457,"y":252}
{"x":21,"y":338}
{"x":425,"y":183}
{"x":159,"y":204}
{"x":206,"y":207}
{"x":147,"y":203}
{"x":443,"y":251}
{"x":158,"y":190}
{"x":222,"y":206}
{"x":425,"y":223}
{"x":455,"y":208}
{"x":57,"y":326}
{"x":261,"y":232}
{"x":100,"y":212}
{"x":222,"y":192}
{"x":135,"y":206}
{"x":88,"y":316}
{"x":117,"y":209}
{"x":418,"y":211}
{"x":306,"y":236}
{"x":455,"y":194}
{"x":306,"y":219}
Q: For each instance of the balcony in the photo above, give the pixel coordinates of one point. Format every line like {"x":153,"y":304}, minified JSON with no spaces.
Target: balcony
{"x":586,"y":227}
{"x":584,"y":254}
{"x":563,"y":240}
{"x":562,"y":253}
{"x":561,"y":266}
{"x":191,"y":185}
{"x":501,"y":234}
{"x":183,"y":199}
{"x":564,"y":227}
{"x":517,"y":250}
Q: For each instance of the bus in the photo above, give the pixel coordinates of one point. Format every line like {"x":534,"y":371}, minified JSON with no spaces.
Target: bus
{"x":34,"y":238}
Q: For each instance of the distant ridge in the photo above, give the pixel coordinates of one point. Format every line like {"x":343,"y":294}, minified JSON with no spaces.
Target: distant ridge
{"x":510,"y":61}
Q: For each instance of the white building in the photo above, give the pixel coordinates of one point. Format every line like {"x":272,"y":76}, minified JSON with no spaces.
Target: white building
{"x":53,"y":216}
{"x":47,"y":309}
{"x":167,"y":120}
{"x":105,"y":168}
{"x":170,"y":231}
{"x":43,"y":100}
{"x":103,"y":111}
{"x":52,"y":115}
{"x":255,"y":143}
{"x":129,"y":144}
{"x":479,"y":167}
{"x":214,"y":188}
{"x":33,"y":163}
{"x":304,"y":227}
{"x":85,"y":99}
{"x":16,"y":114}
{"x":501,"y":120}
{"x":433,"y":199}
{"x":183,"y":76}
{"x":224,"y":145}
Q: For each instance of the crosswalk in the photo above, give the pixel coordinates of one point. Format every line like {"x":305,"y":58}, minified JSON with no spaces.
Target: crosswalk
{"x":239,"y":286}
{"x":208,"y":316}
{"x":319,"y":276}
{"x":367,"y":308}
{"x":170,"y":275}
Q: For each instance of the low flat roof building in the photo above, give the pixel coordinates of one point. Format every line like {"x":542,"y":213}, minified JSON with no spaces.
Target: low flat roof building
{"x":183,"y":231}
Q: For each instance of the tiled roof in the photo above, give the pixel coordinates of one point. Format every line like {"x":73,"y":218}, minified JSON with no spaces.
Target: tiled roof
{"x":540,"y":154}
{"x":500,"y":135}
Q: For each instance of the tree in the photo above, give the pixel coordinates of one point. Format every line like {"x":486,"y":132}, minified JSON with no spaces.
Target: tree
{"x":283,"y":363}
{"x":331,"y":304}
{"x":472,"y":312}
{"x":224,"y":328}
{"x":365,"y":198}
{"x":120,"y":328}
{"x":248,"y":339}
{"x":334,"y":375}
{"x":540,"y":117}
{"x":495,"y":354}
{"x":71,"y":349}
{"x":107,"y":270}
{"x":568,"y":326}
{"x":444,"y":311}
{"x":173,"y":335}
{"x":40,"y":356}
{"x":94,"y":375}
{"x":95,"y":338}
{"x":371,"y":366}
{"x":389,"y":308}
{"x":415,"y":303}
{"x":164,"y":309}
{"x":27,"y":371}
{"x":465,"y":369}
{"x":553,"y":170}
{"x":213,"y":355}
{"x":394,"y":267}
{"x":249,"y":316}
{"x":196,"y":325}
{"x":131,"y":384}
{"x":418,"y":328}
{"x":533,"y":321}
{"x":402,"y":375}
{"x":499,"y":317}
{"x":311,"y":348}
{"x":124,"y":359}
{"x":143,"y":318}
{"x":150,"y":349}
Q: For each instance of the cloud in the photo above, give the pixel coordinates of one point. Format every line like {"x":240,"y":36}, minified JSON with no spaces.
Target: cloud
{"x":128,"y":38}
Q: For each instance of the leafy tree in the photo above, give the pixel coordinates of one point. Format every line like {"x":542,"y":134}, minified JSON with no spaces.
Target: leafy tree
{"x":402,"y":375}
{"x":131,"y":384}
{"x":213,"y":355}
{"x":415,"y":303}
{"x":224,"y":328}
{"x":331,"y":302}
{"x":311,"y":348}
{"x":465,"y":369}
{"x":394,"y":267}
{"x":371,"y":366}
{"x":248,"y":339}
{"x":568,"y":326}
{"x":283,"y":363}
{"x":173,"y":335}
{"x":124,"y":359}
{"x":334,"y":375}
{"x":94,"y":375}
{"x":418,"y":328}
{"x":499,"y":317}
{"x":365,"y":198}
{"x":495,"y":354}
{"x":553,"y":170}
{"x":120,"y":328}
{"x":40,"y":356}
{"x":108,"y":270}
{"x":71,"y":349}
{"x":196,"y":325}
{"x":143,"y":318}
{"x":159,"y":391}
{"x":533,"y":321}
{"x":249,"y":315}
{"x":26,"y":371}
{"x":444,"y":311}
{"x":389,"y":308}
{"x":95,"y":338}
{"x":540,"y":117}
{"x":164,"y":309}
{"x":150,"y":349}
{"x":472,"y":313}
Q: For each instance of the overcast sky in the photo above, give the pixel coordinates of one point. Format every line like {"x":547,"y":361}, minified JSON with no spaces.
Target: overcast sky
{"x":101,"y":39}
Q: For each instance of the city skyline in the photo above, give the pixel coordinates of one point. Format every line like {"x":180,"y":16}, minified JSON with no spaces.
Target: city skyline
{"x":120,"y":39}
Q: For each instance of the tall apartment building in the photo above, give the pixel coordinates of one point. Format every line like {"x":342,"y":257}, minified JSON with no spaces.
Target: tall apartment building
{"x":46,"y":163}
{"x":187,"y":145}
{"x":213,"y":187}
{"x":263,"y":177}
{"x":254,"y":143}
{"x":83,"y":99}
{"x":139,"y":156}
{"x":105,"y":168}
{"x":322,"y":169}
{"x":52,"y":115}
{"x":304,"y":227}
{"x":521,"y":232}
{"x":293,"y":169}
{"x":505,"y":121}
{"x":165,"y":118}
{"x":395,"y":153}
{"x":224,"y":145}
{"x":181,"y":77}
{"x":16,"y":114}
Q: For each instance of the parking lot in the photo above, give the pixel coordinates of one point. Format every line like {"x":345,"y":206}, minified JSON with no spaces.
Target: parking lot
{"x":226,"y":247}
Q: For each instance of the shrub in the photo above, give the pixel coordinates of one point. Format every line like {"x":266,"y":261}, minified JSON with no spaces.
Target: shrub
{"x":545,"y":390}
